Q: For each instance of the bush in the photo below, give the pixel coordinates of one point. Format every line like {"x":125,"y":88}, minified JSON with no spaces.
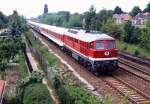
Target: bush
{"x":125,"y":47}
{"x":36,"y":93}
{"x":74,"y":94}
{"x":36,"y":76}
{"x":136,"y":51}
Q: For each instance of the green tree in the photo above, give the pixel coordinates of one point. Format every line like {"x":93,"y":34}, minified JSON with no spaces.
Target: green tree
{"x":45,"y":9}
{"x":147,"y":9}
{"x":128,"y":32}
{"x":17,"y":24}
{"x":3,"y":20}
{"x":118,"y":10}
{"x":112,"y":29}
{"x":103,"y":16}
{"x":145,"y":38}
{"x":135,"y":11}
{"x":9,"y":47}
{"x":65,"y":15}
{"x":74,"y":21}
{"x":58,"y":19}
{"x":88,"y":17}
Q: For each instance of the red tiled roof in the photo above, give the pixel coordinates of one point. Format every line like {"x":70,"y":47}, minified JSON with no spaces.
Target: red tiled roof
{"x":2,"y":84}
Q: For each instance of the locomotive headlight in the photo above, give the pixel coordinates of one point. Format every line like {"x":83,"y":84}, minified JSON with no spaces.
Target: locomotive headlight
{"x":106,"y":53}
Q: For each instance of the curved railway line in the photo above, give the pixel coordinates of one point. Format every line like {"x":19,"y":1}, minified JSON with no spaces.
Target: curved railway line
{"x":131,"y":79}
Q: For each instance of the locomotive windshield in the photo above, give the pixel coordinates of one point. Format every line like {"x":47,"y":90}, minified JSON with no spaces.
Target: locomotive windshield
{"x":99,"y":45}
{"x":111,"y":45}
{"x":105,"y":45}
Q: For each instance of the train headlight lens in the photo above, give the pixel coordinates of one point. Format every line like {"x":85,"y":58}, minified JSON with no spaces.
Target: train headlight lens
{"x":106,"y":53}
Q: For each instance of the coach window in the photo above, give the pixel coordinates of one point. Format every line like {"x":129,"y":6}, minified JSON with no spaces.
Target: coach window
{"x":99,"y":45}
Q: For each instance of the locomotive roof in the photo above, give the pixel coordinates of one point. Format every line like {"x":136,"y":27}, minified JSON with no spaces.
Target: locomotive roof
{"x":78,"y":34}
{"x":89,"y":37}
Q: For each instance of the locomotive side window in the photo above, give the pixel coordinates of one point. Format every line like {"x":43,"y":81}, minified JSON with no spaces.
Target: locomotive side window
{"x":91,"y":45}
{"x":99,"y":45}
{"x":111,"y":45}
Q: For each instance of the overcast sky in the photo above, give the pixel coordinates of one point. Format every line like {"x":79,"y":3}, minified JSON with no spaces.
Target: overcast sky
{"x":32,"y":8}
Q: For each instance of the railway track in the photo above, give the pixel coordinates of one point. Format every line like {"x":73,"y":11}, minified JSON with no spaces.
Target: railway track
{"x":126,"y":90}
{"x":139,"y":60}
{"x":121,"y":84}
{"x":138,"y":72}
{"x":141,"y":68}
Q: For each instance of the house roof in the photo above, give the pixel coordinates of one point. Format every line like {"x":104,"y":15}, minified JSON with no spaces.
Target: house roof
{"x":2,"y":85}
{"x":143,"y":16}
{"x":122,"y":16}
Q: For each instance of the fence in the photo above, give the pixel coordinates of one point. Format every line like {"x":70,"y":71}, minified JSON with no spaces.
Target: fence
{"x":49,"y":71}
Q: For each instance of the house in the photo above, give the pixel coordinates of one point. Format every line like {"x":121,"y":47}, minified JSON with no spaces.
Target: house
{"x":121,"y":18}
{"x":140,"y":19}
{"x":2,"y":87}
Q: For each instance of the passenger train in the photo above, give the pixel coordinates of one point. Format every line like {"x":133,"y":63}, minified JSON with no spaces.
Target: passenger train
{"x":95,"y":50}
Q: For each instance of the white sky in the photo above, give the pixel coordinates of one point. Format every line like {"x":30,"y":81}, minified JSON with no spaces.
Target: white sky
{"x":32,"y":8}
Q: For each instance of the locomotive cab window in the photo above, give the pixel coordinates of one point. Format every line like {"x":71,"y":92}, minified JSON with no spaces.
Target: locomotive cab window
{"x":91,"y":45}
{"x":99,"y":45}
{"x":111,"y":45}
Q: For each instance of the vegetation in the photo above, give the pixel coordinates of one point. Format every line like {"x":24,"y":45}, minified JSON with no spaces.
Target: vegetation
{"x":9,"y":47}
{"x":22,"y":66}
{"x":130,"y":48}
{"x":33,"y":83}
{"x":74,"y":21}
{"x":17,"y":24}
{"x":112,"y":29}
{"x":58,"y":19}
{"x":93,"y":21}
{"x":147,"y":9}
{"x":73,"y":94}
{"x":3,"y":20}
{"x":36,"y":93}
{"x":118,"y":10}
{"x":128,"y":30}
{"x":69,"y":90}
{"x":45,"y":9}
{"x":135,"y":11}
{"x":145,"y":37}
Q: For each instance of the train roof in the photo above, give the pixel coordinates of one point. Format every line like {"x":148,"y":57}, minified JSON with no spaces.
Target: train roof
{"x":78,"y":34}
{"x":89,"y":36}
{"x":59,"y":30}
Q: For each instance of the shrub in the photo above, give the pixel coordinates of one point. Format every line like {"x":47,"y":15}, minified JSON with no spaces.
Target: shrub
{"x":36,"y":93}
{"x":74,"y":94}
{"x":36,"y":76}
{"x":125,"y":47}
{"x":136,"y":51}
